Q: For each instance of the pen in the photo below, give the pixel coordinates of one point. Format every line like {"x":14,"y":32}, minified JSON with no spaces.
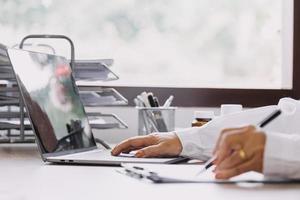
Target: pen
{"x":144,"y":97}
{"x":151,"y":120}
{"x":161,"y":125}
{"x":144,"y":117}
{"x":262,"y":124}
{"x":147,"y":116}
{"x":141,"y":100}
{"x":151,"y":100}
{"x":207,"y":165}
{"x":270,"y":118}
{"x":156,"y":102}
{"x":168,"y":101}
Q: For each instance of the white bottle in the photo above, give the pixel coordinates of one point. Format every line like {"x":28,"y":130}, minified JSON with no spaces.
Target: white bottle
{"x":227,"y":109}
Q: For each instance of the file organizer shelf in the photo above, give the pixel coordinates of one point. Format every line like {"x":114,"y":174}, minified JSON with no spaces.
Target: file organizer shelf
{"x":14,"y":123}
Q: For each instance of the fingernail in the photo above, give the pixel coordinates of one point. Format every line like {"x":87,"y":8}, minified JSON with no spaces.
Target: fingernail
{"x":112,"y":152}
{"x":139,"y":154}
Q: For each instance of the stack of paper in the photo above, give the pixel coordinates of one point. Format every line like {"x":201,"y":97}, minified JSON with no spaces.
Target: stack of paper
{"x":93,"y":70}
{"x":105,"y":121}
{"x":102,"y":97}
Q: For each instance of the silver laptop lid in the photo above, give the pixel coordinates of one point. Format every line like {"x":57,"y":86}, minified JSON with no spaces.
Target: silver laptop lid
{"x":52,"y":101}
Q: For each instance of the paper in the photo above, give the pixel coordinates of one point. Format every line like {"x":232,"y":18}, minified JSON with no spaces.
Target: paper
{"x":188,"y":174}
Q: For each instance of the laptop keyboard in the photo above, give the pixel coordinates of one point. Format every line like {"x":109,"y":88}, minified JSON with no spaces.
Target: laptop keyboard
{"x":104,"y":156}
{"x":97,"y":154}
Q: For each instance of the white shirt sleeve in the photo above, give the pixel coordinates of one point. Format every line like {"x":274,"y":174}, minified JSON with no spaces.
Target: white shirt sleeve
{"x":281,"y":158}
{"x":199,"y":142}
{"x":282,"y":150}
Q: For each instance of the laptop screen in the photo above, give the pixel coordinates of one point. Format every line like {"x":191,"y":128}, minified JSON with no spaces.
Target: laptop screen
{"x":52,"y":101}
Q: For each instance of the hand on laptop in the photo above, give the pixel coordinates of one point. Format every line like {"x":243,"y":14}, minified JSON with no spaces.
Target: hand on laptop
{"x":153,"y":145}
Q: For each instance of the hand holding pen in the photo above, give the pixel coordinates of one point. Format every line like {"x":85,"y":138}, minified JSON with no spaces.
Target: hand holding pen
{"x":239,"y":150}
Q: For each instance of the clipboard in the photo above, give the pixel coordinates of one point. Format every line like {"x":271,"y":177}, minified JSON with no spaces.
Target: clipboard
{"x":156,"y":173}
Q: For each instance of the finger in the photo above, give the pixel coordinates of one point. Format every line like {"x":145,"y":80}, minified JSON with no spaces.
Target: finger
{"x":234,"y":140}
{"x":237,"y":170}
{"x":230,"y":162}
{"x":224,"y":132}
{"x":130,"y":150}
{"x":149,"y":152}
{"x":133,"y":144}
{"x":228,"y":144}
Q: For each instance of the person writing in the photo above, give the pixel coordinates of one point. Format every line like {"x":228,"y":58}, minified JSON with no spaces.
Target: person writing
{"x":272,"y":151}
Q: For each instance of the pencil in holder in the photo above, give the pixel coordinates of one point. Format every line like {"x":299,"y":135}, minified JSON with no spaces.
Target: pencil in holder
{"x":156,"y":119}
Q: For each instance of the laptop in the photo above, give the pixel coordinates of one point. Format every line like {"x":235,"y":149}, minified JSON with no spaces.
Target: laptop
{"x":57,"y":116}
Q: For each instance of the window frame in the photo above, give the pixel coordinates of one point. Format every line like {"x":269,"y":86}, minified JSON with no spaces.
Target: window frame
{"x":214,"y":97}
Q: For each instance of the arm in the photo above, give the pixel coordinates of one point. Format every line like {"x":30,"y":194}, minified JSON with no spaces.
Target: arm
{"x":273,"y":152}
{"x":192,"y":142}
{"x":281,"y":157}
{"x":199,"y":142}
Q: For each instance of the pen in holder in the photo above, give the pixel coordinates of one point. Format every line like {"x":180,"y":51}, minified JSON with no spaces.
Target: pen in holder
{"x":156,"y":119}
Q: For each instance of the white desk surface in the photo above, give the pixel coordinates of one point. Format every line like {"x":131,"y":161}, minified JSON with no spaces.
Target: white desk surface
{"x":24,"y":176}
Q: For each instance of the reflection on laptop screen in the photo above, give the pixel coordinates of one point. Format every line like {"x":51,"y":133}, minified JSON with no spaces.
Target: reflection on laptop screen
{"x":52,"y":101}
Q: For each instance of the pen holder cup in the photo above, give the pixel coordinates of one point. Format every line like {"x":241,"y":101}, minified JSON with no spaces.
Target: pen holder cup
{"x":156,"y":119}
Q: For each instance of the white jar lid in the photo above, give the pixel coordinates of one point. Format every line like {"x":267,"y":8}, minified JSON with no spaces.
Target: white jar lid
{"x":227,"y":109}
{"x":204,"y":114}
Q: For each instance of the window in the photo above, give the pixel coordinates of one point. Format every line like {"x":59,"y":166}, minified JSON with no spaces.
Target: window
{"x":170,"y":43}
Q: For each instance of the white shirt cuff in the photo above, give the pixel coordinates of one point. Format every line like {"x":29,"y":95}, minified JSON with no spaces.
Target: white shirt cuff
{"x":195,"y":143}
